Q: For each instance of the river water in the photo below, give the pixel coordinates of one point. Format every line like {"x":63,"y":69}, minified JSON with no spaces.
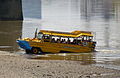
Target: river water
{"x":66,"y":15}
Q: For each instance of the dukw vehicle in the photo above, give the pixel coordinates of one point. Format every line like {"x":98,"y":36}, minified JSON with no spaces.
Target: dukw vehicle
{"x":55,"y":42}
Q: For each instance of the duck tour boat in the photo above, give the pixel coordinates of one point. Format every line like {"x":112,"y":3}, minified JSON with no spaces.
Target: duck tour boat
{"x":46,"y":41}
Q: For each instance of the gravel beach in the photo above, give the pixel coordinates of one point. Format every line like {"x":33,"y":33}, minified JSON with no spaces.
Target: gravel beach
{"x":17,"y":66}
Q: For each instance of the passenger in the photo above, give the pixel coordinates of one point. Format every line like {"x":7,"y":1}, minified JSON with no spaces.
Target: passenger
{"x":82,"y":39}
{"x":68,"y":41}
{"x":53,"y":40}
{"x":63,"y":41}
{"x":89,"y":40}
{"x":47,"y":37}
{"x":79,"y":43}
{"x":74,"y":41}
{"x":58,"y":40}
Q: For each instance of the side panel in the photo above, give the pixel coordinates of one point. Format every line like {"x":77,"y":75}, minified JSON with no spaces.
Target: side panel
{"x":46,"y":46}
{"x":57,"y":47}
{"x":74,"y":48}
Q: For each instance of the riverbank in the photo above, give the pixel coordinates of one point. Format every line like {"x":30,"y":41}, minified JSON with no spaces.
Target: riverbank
{"x":17,"y":66}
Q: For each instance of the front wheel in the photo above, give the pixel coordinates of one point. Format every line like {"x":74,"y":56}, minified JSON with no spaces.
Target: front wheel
{"x":35,"y":50}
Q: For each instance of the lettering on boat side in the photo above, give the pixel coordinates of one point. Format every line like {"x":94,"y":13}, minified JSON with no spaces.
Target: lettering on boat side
{"x":70,"y":47}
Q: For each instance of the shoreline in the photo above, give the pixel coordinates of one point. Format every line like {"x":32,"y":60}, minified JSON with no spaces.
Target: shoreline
{"x":17,"y":66}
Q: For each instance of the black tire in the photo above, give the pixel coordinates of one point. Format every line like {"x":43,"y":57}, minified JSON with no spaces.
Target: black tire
{"x":35,"y":50}
{"x":28,"y":51}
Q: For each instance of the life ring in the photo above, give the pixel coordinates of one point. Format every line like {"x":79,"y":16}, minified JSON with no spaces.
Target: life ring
{"x":84,"y":43}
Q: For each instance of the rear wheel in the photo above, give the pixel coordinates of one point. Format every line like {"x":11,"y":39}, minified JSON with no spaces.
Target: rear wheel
{"x":35,"y":50}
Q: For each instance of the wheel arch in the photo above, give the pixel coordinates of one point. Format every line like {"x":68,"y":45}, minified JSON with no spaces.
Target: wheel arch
{"x":37,"y":48}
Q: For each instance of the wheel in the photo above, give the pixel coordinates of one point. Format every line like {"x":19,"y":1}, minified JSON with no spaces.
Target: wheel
{"x":28,"y":51}
{"x":35,"y":50}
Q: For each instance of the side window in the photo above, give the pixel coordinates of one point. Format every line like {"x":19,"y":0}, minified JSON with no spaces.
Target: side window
{"x":64,"y":40}
{"x":55,"y":39}
{"x":74,"y":41}
{"x":79,"y":40}
{"x":71,"y":39}
{"x":46,"y":38}
{"x":40,"y":35}
{"x":87,"y":38}
{"x":90,"y":38}
{"x":84,"y":38}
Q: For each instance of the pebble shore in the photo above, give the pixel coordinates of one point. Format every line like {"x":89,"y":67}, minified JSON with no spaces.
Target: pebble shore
{"x":17,"y":66}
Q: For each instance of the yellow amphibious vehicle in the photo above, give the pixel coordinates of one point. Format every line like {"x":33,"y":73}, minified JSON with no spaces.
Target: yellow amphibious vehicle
{"x":55,"y":42}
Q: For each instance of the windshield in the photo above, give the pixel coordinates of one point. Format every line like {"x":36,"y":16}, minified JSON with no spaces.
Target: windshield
{"x":40,"y":36}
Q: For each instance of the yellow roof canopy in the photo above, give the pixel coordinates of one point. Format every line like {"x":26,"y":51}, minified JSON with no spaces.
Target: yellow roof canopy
{"x":67,"y":34}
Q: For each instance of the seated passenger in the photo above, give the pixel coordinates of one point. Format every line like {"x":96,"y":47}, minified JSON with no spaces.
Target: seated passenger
{"x":47,"y":37}
{"x":53,"y":40}
{"x":68,"y":41}
{"x":63,"y":41}
{"x":89,"y":40}
{"x":74,"y":41}
{"x":83,"y":39}
{"x":58,"y":40}
{"x":79,"y":42}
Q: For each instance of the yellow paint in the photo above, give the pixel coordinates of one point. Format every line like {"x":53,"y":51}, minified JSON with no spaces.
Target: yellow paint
{"x":58,"y":47}
{"x":67,"y":34}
